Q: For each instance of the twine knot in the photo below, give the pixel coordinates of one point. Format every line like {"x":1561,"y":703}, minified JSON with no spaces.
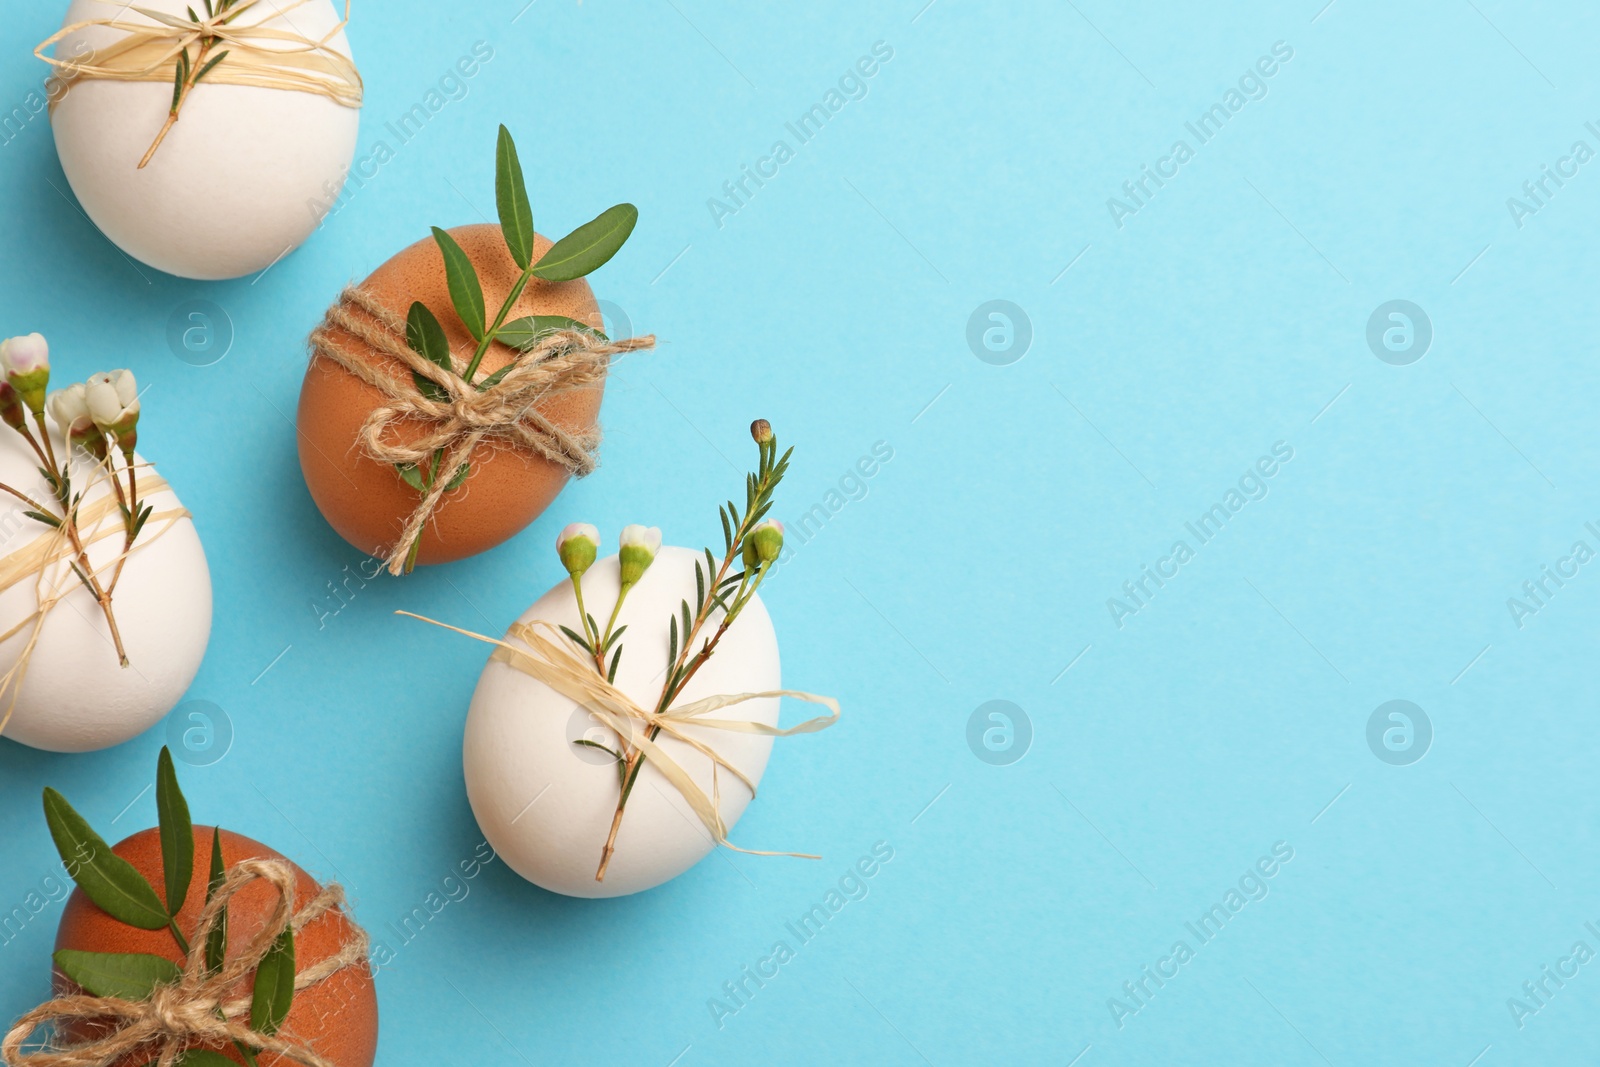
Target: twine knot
{"x":193,"y":1011}
{"x":505,"y":413}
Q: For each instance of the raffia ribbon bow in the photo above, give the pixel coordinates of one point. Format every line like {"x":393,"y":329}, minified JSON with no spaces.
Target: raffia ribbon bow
{"x":505,"y":413}
{"x":258,"y":55}
{"x":548,"y":655}
{"x":195,"y":1010}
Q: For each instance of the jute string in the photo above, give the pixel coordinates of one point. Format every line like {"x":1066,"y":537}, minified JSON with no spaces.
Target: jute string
{"x":505,"y":414}
{"x":258,"y":55}
{"x":549,"y":656}
{"x":196,"y":1009}
{"x":38,"y":557}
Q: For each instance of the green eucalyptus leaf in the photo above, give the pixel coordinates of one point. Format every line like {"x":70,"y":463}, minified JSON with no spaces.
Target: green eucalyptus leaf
{"x":465,"y":291}
{"x":511,"y":197}
{"x":200,"y":1057}
{"x":217,"y":940}
{"x":410,"y":475}
{"x":126,"y":976}
{"x":177,"y":832}
{"x":524,"y":332}
{"x":274,"y":987}
{"x":429,"y":388}
{"x":106,"y":878}
{"x":587,"y":248}
{"x":426,"y":337}
{"x":494,"y":379}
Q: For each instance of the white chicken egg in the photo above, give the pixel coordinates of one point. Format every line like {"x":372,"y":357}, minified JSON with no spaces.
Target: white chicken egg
{"x":74,"y":696}
{"x":546,"y":804}
{"x":238,"y":181}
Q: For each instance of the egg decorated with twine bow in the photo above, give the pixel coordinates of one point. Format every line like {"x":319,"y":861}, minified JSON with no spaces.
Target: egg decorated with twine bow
{"x":338,"y":1017}
{"x":363,"y":498}
{"x":452,"y":394}
{"x":201,"y":166}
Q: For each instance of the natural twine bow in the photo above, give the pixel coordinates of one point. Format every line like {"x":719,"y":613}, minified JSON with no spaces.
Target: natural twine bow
{"x":195,"y":1010}
{"x":257,"y":55}
{"x":505,"y":413}
{"x":53,"y":546}
{"x":552,"y":660}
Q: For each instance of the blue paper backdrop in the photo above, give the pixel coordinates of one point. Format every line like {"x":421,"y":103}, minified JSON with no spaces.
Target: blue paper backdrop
{"x":1153,"y":352}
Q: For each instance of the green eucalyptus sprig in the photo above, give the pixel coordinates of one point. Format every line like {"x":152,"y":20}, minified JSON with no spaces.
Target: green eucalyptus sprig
{"x":751,"y":542}
{"x":581,"y":252}
{"x":116,"y":887}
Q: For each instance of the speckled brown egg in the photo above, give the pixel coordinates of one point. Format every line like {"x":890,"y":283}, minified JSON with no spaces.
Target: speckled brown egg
{"x":364,"y":499}
{"x":337,"y":1017}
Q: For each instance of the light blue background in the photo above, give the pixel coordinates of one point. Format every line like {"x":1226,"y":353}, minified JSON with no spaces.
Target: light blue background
{"x":1230,"y":713}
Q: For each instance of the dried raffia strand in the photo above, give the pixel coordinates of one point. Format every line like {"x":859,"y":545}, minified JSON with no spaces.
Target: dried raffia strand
{"x":53,"y":546}
{"x":506,"y":412}
{"x":194,"y":1011}
{"x":257,"y":55}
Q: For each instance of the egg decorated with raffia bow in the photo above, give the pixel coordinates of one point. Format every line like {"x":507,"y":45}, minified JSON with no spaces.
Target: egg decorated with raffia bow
{"x":245,"y":172}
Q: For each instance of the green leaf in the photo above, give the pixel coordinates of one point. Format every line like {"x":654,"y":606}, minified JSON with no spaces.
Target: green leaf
{"x":274,"y":988}
{"x":672,"y":640}
{"x":460,"y":476}
{"x":595,"y":744}
{"x":217,"y":940}
{"x":587,"y":248}
{"x":126,"y":976}
{"x":106,"y":878}
{"x":178,"y":77}
{"x":47,"y":519}
{"x":465,"y":291}
{"x":511,"y":197}
{"x":494,"y":379}
{"x":523,"y":333}
{"x":409,"y":473}
{"x":200,"y":1057}
{"x":581,"y":641}
{"x":177,"y":832}
{"x":616,"y":635}
{"x":611,"y":675}
{"x":213,"y":61}
{"x":426,"y":337}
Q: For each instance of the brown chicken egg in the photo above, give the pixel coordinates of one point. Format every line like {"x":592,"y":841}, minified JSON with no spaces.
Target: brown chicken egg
{"x":337,"y":1017}
{"x":365,"y":500}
